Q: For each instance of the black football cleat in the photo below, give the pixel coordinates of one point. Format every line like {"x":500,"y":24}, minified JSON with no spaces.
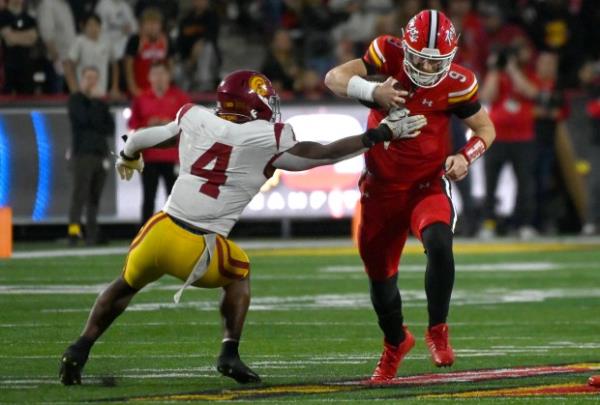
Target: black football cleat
{"x":71,"y":364}
{"x":234,"y":367}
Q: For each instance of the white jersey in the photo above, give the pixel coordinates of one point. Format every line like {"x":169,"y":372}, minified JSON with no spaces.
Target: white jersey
{"x":222,"y":166}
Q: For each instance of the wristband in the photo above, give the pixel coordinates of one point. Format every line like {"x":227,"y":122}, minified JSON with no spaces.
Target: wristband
{"x":376,"y":135}
{"x":125,"y":157}
{"x":360,"y":88}
{"x":473,"y":150}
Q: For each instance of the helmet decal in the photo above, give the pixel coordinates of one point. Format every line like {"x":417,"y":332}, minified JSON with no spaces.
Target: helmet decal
{"x":258,"y":85}
{"x":450,"y":35}
{"x":412,"y":30}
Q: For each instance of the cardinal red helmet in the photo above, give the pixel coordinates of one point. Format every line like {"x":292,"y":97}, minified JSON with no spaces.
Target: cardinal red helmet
{"x":430,"y":43}
{"x":246,"y":95}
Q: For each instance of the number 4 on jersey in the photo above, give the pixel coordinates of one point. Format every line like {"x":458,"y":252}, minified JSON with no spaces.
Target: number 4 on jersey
{"x":216,"y":176}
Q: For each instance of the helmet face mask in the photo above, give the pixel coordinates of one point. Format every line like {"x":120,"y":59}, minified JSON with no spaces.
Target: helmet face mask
{"x":430,"y":43}
{"x":424,"y":68}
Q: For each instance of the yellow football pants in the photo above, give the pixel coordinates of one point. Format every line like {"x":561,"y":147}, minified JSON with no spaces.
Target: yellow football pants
{"x":163,"y":247}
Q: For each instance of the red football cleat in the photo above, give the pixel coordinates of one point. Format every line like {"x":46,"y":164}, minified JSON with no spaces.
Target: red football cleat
{"x":436,"y":338}
{"x":594,"y":381}
{"x":391,"y":358}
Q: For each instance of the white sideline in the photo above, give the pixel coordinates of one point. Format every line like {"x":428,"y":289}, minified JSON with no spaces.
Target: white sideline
{"x":271,"y":244}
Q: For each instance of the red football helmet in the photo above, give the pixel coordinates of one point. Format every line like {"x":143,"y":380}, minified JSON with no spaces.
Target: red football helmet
{"x":246,"y":95}
{"x":430,"y":43}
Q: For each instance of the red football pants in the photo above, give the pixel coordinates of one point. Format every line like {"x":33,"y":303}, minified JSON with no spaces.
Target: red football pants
{"x":387,"y":217}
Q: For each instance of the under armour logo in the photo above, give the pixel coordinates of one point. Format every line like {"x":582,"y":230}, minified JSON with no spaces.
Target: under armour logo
{"x":426,"y":102}
{"x":424,"y":185}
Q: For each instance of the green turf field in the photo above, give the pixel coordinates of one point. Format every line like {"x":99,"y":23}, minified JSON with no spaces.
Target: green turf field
{"x":310,"y":333}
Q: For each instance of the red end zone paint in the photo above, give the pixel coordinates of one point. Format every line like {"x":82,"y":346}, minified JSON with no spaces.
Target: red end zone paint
{"x":541,"y":390}
{"x":332,"y":388}
{"x":485,"y":375}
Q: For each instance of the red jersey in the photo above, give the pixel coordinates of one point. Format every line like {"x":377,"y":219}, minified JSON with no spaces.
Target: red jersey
{"x":145,"y":52}
{"x":512,"y":113}
{"x":406,"y":162}
{"x":149,"y":110}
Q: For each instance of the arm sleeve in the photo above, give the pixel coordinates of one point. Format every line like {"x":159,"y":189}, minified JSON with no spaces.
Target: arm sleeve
{"x":465,"y":110}
{"x":149,"y":137}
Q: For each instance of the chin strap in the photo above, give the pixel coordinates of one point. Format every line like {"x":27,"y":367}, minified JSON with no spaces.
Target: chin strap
{"x":473,"y":150}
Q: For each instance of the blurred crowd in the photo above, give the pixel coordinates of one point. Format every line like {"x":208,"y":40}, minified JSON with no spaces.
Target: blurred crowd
{"x":46,"y":43}
{"x":529,"y":55}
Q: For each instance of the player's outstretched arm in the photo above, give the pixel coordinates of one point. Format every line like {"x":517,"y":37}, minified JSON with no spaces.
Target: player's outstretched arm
{"x":349,"y":80}
{"x":131,"y":160}
{"x":484,"y":134}
{"x":306,"y":155}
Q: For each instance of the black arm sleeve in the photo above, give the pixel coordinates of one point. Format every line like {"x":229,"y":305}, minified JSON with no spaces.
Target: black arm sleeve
{"x":464,"y":111}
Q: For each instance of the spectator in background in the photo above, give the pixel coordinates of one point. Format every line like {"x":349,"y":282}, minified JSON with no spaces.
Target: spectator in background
{"x":157,"y":105}
{"x":57,"y":29}
{"x":118,"y":24}
{"x":92,"y":125}
{"x":281,"y":63}
{"x":90,"y":50}
{"x":360,"y":25}
{"x":550,"y":108}
{"x":168,"y":8}
{"x":198,"y":48}
{"x":509,"y":90}
{"x":81,"y":9}
{"x":143,"y":49}
{"x":553,"y":26}
{"x":472,"y":45}
{"x":499,"y":33}
{"x":19,"y":36}
{"x":589,"y":76}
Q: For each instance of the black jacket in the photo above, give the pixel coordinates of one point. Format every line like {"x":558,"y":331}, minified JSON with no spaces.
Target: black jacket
{"x":91,"y":125}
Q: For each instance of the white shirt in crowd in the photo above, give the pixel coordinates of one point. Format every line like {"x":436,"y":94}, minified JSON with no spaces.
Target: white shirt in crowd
{"x":57,"y":25}
{"x":85,"y":52}
{"x":118,"y":23}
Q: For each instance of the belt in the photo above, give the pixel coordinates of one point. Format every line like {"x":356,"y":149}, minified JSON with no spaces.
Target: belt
{"x":187,"y":227}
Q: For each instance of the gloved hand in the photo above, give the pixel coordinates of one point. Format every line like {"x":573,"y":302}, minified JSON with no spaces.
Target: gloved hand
{"x":402,"y":124}
{"x":126,"y":165}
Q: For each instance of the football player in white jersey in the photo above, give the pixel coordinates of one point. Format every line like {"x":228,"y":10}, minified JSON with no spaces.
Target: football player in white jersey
{"x":225,"y":157}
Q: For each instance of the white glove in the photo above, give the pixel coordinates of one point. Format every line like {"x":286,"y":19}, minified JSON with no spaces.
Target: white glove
{"x":126,"y":167}
{"x":404,"y":126}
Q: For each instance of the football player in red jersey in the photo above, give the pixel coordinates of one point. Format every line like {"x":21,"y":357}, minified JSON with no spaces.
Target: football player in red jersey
{"x":406,"y":184}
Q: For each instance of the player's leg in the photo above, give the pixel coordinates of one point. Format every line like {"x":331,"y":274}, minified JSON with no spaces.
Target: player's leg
{"x":230,"y":269}
{"x":234,"y":306}
{"x":433,"y":220}
{"x":139,"y":271}
{"x":381,"y":239}
{"x":108,"y":306}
